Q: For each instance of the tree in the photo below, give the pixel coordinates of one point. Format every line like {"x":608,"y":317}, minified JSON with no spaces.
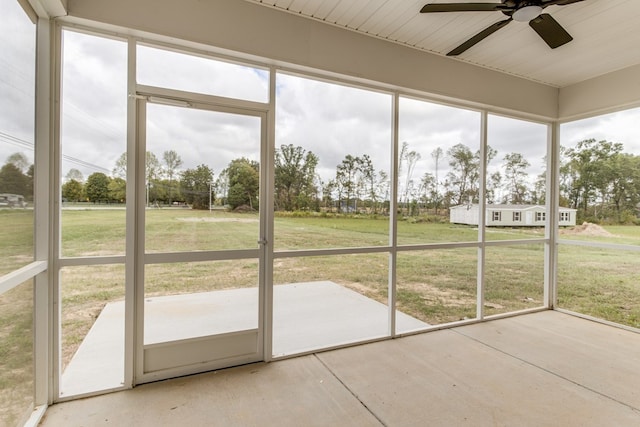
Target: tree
{"x":12,"y":180}
{"x":244,"y":183}
{"x":346,"y":178}
{"x":464,"y":178}
{"x":172,"y":162}
{"x":30,"y":179}
{"x":494,"y":181}
{"x":295,"y":171}
{"x":222,"y":187}
{"x":408,"y":158}
{"x":97,"y":187}
{"x":72,"y":191}
{"x":515,"y":173}
{"x":152,"y":167}
{"x":464,"y":173}
{"x":327,"y":190}
{"x":436,"y":155}
{"x":367,"y":181}
{"x":196,"y":186}
{"x":19,"y":160}
{"x":427,"y":189}
{"x":383,"y":187}
{"x":120,"y":168}
{"x":117,"y":190}
{"x":625,"y":184}
{"x":74,"y":174}
{"x":589,"y":172}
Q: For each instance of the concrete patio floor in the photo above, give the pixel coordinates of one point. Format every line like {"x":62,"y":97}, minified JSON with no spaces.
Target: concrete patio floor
{"x":307,"y":316}
{"x":543,"y":369}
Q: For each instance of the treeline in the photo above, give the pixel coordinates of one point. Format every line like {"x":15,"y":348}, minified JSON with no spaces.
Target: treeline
{"x":16,"y":176}
{"x":602,"y":181}
{"x":167,"y":184}
{"x":597,"y":178}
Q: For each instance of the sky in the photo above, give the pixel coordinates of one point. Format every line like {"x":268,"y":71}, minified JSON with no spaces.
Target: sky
{"x":328,"y":119}
{"x":17,"y":58}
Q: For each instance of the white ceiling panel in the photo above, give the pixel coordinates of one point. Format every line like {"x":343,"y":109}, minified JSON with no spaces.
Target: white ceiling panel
{"x":606,"y":34}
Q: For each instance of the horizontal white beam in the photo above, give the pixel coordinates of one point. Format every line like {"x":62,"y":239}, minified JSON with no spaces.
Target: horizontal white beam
{"x":49,"y":8}
{"x":17,"y":277}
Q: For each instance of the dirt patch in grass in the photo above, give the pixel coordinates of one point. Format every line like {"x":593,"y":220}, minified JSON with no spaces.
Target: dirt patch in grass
{"x":431,"y":295}
{"x":586,"y":229}
{"x":206,"y":219}
{"x":445,"y":297}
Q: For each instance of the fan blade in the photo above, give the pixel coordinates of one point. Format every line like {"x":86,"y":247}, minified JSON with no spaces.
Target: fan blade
{"x":463,"y":7}
{"x":558,"y":2}
{"x":550,"y":31}
{"x":479,"y":37}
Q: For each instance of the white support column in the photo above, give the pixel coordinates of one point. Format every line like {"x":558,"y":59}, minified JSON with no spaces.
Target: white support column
{"x":43,"y":191}
{"x":393,"y":215}
{"x":55,"y":153}
{"x":553,"y":217}
{"x":136,"y":172}
{"x":131,"y":302}
{"x":482,"y":208}
{"x":267,"y":215}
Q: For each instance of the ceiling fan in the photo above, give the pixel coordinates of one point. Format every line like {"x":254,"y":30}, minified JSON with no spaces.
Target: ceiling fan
{"x":516,"y":10}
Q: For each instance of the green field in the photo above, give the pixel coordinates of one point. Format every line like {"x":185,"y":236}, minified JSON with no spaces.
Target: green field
{"x":436,"y":286}
{"x":16,"y":354}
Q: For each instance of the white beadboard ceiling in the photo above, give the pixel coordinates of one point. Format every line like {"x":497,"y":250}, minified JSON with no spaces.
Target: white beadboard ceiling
{"x":606,"y":34}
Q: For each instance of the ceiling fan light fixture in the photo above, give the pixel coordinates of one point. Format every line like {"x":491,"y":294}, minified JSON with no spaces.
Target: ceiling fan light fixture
{"x":527,"y":13}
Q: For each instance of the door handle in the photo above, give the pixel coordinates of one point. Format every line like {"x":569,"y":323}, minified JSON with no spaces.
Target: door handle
{"x":262,"y":241}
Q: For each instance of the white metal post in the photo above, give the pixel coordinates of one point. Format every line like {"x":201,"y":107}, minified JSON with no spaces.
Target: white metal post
{"x":131,"y":285}
{"x":482,"y":207}
{"x":552,"y":208}
{"x":43,"y":191}
{"x":393,"y":216}
{"x":267,"y":218}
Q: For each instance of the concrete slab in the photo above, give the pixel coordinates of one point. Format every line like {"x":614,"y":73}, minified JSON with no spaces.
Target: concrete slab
{"x":300,"y":391}
{"x":316,"y":315}
{"x":595,"y":355}
{"x":446,"y":379}
{"x":177,"y":317}
{"x":470,"y":375}
{"x":99,"y":361}
{"x":307,"y":316}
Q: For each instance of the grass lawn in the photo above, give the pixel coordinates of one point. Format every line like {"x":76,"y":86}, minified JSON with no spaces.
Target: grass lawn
{"x":436,"y":286}
{"x":16,"y":239}
{"x":16,"y":354}
{"x":602,"y":283}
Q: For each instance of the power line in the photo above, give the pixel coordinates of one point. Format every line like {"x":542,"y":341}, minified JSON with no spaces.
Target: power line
{"x":28,"y":144}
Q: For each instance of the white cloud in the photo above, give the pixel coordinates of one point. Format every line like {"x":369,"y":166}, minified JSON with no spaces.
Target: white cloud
{"x":331,"y":120}
{"x":17,"y":81}
{"x":615,"y":127}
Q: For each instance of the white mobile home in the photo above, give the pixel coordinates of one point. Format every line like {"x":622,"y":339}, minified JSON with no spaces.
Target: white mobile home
{"x":509,"y":215}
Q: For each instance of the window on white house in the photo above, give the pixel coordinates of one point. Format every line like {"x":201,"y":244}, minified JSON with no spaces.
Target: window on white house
{"x":496,"y":215}
{"x":515,"y":176}
{"x":540,"y":216}
{"x":564,"y":216}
